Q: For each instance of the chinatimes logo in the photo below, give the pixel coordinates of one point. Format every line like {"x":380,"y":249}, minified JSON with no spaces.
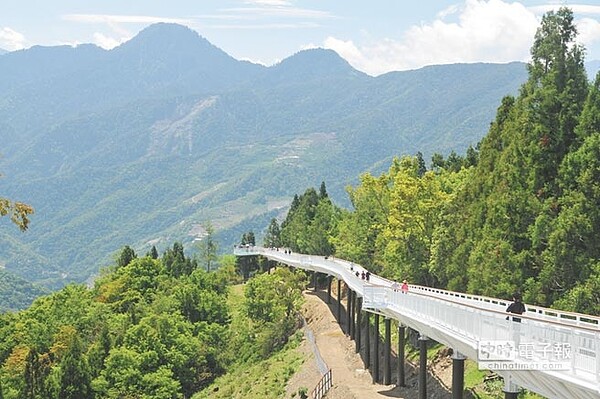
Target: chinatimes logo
{"x":496,"y":350}
{"x":506,"y":355}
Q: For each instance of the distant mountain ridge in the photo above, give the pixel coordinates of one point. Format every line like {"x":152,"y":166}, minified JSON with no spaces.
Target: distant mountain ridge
{"x":141,"y":144}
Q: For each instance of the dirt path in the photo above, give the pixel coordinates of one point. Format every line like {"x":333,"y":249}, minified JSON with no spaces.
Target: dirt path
{"x":350,"y":379}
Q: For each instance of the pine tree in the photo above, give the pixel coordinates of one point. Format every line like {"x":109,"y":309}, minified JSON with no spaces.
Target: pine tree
{"x":126,"y":256}
{"x":323,"y":191}
{"x":273,"y":236}
{"x":208,"y":247}
{"x":153,"y":253}
{"x":554,"y":96}
{"x":74,"y":373}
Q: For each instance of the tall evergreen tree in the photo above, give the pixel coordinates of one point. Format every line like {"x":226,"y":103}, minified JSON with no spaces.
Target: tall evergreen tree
{"x":153,"y":253}
{"x":208,"y":247}
{"x":126,"y":255}
{"x":74,"y":373}
{"x":323,"y":191}
{"x":554,"y":97}
{"x":273,"y":236}
{"x":33,"y":384}
{"x":249,"y":238}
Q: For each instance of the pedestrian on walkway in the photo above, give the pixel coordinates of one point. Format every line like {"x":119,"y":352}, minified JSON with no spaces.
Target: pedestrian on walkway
{"x":404,"y":287}
{"x":517,"y":307}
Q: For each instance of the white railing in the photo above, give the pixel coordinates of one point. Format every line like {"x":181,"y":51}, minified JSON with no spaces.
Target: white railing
{"x":476,"y":324}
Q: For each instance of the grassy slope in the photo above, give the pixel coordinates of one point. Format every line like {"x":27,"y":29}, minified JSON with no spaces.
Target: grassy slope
{"x":266,"y":379}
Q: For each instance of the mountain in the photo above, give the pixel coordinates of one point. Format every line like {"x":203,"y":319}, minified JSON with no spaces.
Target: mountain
{"x":16,"y":293}
{"x":2,"y":51}
{"x":142,"y":144}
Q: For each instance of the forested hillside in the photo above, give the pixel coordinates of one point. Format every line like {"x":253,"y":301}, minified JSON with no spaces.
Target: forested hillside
{"x":158,"y":328}
{"x":517,"y":213}
{"x":143,"y":144}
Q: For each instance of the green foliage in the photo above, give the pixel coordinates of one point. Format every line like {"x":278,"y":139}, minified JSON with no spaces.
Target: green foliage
{"x":16,"y":293}
{"x":518,"y":212}
{"x":310,"y":223}
{"x":272,"y":302}
{"x":18,"y":212}
{"x":126,"y":256}
{"x":196,"y":170}
{"x":261,"y":379}
{"x":75,"y":381}
{"x":272,"y":238}
{"x":144,"y":332}
{"x":208,"y":247}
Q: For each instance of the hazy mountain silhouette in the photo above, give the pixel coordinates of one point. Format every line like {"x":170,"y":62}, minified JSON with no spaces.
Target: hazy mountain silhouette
{"x":139,"y":144}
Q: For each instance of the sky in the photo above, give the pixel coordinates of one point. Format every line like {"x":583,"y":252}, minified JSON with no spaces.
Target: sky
{"x":374,"y":36}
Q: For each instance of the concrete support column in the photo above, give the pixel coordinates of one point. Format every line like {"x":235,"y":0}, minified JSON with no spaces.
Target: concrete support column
{"x":329,"y":280}
{"x":348,"y":309}
{"x":339,"y":305}
{"x":352,"y":315}
{"x":458,"y":374}
{"x":368,"y":340}
{"x":511,"y":390}
{"x":401,"y":343}
{"x":376,"y":350}
{"x":315,"y":275}
{"x":358,"y":323}
{"x":387,"y":352}
{"x":422,"y":366}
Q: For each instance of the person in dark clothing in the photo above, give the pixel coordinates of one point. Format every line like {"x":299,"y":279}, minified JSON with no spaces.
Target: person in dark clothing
{"x":517,"y":307}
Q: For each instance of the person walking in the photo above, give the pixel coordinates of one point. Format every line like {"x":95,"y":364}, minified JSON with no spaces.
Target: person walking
{"x":404,"y":287}
{"x":516,"y":307}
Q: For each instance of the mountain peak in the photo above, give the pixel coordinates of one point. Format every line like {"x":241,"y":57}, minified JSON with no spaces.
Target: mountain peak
{"x":316,"y":63}
{"x":172,"y":41}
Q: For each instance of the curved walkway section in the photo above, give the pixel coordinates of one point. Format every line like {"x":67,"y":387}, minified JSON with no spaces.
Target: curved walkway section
{"x":553,"y":353}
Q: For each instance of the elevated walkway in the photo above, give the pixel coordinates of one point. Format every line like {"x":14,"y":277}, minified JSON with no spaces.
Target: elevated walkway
{"x":477,"y":327}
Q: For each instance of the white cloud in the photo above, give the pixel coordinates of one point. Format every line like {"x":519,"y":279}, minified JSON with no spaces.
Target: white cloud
{"x":274,"y":3}
{"x":107,"y":42}
{"x":265,"y":26}
{"x":477,"y":31}
{"x":285,"y":12}
{"x":115,"y":24}
{"x":576,"y":8}
{"x":589,"y":31}
{"x":11,"y":40}
{"x":121,"y":19}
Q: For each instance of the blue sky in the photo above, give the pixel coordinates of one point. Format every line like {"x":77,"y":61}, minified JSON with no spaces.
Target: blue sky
{"x":375,"y":36}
